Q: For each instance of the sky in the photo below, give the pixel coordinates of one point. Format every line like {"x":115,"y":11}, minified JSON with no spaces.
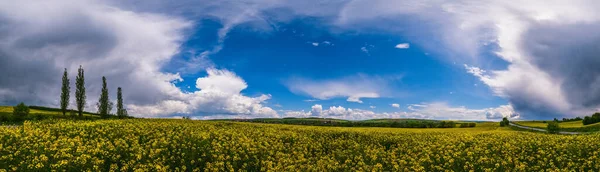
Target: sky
{"x":346,"y":59}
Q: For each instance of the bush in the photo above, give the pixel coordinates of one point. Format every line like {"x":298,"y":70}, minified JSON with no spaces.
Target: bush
{"x":553,"y":127}
{"x":5,"y":117}
{"x":20,"y":111}
{"x":504,"y":122}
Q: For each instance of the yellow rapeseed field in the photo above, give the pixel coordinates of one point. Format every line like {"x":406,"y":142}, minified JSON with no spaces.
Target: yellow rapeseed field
{"x":185,"y":145}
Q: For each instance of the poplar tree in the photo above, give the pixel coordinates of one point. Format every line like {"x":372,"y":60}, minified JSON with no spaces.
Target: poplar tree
{"x":120,"y":110}
{"x":80,"y":91}
{"x":64,"y":95}
{"x":103,"y":102}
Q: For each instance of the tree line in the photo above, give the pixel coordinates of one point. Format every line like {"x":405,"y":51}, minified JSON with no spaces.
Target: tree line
{"x":391,"y":124}
{"x":104,"y":104}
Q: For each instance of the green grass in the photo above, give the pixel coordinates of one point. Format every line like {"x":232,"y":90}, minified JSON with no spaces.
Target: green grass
{"x":535,"y":124}
{"x":572,"y":126}
{"x":47,"y":111}
{"x":38,"y":113}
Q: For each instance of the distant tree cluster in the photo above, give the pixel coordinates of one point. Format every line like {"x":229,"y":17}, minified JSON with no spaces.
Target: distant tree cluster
{"x":595,"y":118}
{"x":391,"y":124}
{"x":571,"y":119}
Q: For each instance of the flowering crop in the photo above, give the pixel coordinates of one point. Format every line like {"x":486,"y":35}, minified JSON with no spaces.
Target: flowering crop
{"x":185,"y":145}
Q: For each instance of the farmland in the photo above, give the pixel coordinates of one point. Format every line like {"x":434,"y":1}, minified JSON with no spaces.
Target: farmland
{"x":182,"y":145}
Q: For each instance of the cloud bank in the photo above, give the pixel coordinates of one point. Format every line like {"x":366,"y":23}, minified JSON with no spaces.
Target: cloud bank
{"x":403,"y":46}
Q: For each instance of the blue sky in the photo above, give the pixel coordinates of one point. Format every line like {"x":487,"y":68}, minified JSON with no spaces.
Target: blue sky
{"x":348,"y":59}
{"x":310,"y":51}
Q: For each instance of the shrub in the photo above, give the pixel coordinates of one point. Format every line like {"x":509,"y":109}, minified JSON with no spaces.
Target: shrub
{"x":467,"y":125}
{"x":4,"y":117}
{"x":20,"y":111}
{"x":504,"y":122}
{"x":553,"y":127}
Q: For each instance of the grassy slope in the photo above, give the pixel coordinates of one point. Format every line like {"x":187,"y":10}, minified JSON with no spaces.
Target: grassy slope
{"x":576,"y":126}
{"x":9,"y":110}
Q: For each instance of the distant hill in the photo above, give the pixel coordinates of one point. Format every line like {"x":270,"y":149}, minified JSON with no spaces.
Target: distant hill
{"x":44,"y":110}
{"x":41,"y":113}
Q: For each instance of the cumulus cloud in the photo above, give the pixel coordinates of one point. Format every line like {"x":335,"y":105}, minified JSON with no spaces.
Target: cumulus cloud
{"x":353,"y":88}
{"x":403,"y":46}
{"x":504,"y":111}
{"x":372,"y":107}
{"x":396,"y":105}
{"x":316,"y":44}
{"x":219,"y":94}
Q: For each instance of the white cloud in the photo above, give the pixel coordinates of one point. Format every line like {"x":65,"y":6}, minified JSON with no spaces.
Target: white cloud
{"x":501,"y":112}
{"x":354,"y":87}
{"x":222,"y":80}
{"x":219,"y":94}
{"x":364,"y":49}
{"x":372,"y":107}
{"x":396,"y":105}
{"x":403,"y":46}
{"x":324,"y":43}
